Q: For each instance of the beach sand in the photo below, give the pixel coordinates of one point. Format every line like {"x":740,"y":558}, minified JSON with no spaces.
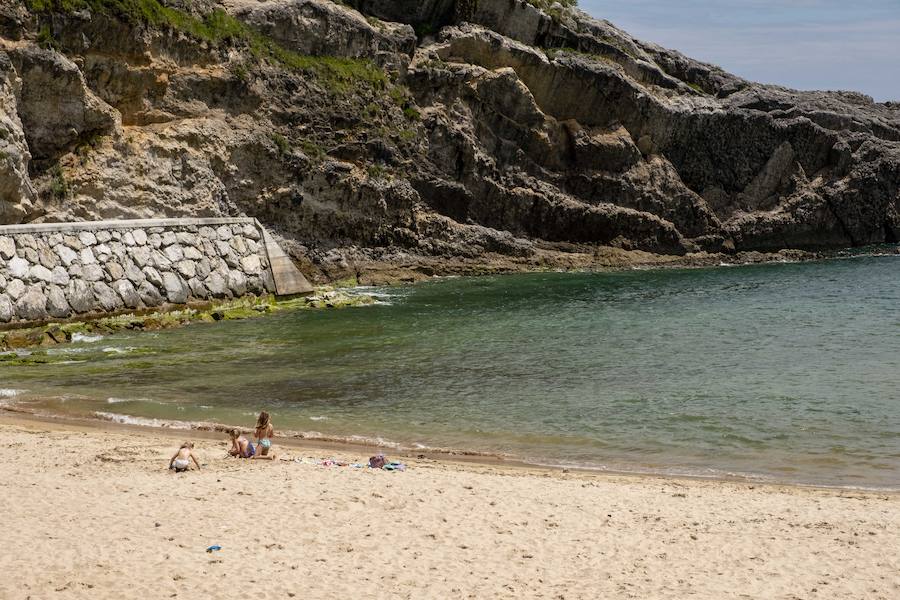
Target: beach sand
{"x":92,"y":512}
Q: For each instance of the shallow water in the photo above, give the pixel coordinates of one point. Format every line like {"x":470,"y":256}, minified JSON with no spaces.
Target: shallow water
{"x":786,"y":372}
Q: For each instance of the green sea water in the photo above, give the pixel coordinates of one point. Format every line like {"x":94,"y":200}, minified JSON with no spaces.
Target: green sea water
{"x":784,"y":372}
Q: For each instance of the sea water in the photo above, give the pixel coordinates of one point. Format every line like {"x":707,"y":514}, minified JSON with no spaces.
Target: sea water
{"x":782,"y":372}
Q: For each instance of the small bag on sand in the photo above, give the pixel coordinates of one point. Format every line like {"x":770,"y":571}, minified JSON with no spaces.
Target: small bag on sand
{"x":377,"y":462}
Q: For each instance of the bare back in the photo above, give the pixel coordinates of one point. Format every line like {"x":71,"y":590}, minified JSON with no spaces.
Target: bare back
{"x":265,"y":432}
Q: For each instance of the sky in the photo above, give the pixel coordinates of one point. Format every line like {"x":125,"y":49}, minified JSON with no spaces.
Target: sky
{"x":803,"y":44}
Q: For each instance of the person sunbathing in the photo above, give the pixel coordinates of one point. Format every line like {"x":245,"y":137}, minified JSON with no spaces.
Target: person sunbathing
{"x":264,"y":433}
{"x":181,"y":461}
{"x":241,"y":447}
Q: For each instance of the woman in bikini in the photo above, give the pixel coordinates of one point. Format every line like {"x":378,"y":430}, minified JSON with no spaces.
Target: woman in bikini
{"x":264,"y":433}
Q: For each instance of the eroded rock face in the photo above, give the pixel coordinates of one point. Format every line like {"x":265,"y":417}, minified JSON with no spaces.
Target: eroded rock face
{"x":427,"y":14}
{"x":56,"y":107}
{"x":477,"y":138}
{"x":17,"y":194}
{"x":722,"y":171}
{"x":326,"y":28}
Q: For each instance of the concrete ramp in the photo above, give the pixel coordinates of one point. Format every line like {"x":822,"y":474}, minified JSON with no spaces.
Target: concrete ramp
{"x":286,"y":276}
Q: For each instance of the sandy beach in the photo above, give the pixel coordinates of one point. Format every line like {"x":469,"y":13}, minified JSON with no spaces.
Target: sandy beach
{"x":92,"y":512}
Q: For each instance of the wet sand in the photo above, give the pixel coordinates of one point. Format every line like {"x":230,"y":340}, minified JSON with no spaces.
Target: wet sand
{"x":92,"y":512}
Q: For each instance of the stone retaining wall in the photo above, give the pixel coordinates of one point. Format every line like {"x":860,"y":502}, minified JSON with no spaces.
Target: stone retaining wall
{"x":63,"y":270}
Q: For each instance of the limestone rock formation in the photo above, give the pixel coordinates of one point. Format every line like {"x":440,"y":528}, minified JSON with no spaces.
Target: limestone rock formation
{"x":325,"y":28}
{"x":17,"y":194}
{"x":421,"y":136}
{"x":55,"y":105}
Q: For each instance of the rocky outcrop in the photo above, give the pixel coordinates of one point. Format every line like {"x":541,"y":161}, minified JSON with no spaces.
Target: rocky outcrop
{"x":421,"y":134}
{"x":428,"y":15}
{"x":56,"y":108}
{"x":327,"y":29}
{"x":17,"y":193}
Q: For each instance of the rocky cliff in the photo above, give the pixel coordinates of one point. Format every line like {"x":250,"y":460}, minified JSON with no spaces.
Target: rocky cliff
{"x":427,"y":135}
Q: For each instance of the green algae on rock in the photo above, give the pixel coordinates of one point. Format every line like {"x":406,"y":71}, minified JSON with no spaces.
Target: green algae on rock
{"x":250,"y":307}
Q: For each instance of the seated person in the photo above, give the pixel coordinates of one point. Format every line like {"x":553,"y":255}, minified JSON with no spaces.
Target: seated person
{"x":240,"y":445}
{"x":264,"y":433}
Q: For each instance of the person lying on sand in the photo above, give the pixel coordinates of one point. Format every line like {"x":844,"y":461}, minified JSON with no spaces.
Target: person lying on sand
{"x":182,"y":460}
{"x":240,"y":445}
{"x":264,"y":433}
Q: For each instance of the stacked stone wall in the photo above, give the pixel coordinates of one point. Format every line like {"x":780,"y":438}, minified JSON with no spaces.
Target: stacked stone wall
{"x":60,"y":271}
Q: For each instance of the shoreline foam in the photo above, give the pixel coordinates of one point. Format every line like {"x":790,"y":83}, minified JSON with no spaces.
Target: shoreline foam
{"x":313,"y":439}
